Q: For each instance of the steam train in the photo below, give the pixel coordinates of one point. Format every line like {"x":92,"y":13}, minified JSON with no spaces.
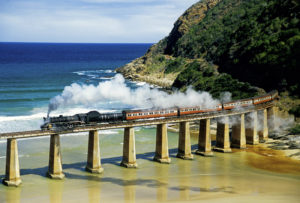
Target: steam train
{"x":94,"y":117}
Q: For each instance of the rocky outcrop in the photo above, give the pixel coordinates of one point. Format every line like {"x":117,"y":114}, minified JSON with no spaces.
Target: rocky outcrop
{"x":190,"y":17}
{"x":151,"y":67}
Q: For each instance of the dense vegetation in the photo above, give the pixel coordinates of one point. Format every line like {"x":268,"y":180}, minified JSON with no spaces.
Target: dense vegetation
{"x":257,"y":41}
{"x":295,"y":129}
{"x":204,"y":77}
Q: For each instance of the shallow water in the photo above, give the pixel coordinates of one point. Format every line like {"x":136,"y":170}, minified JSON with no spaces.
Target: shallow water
{"x":225,"y":177}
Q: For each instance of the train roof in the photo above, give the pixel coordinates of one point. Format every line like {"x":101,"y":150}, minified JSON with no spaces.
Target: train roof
{"x":147,"y":110}
{"x":267,"y":94}
{"x":234,"y":101}
{"x":188,"y":107}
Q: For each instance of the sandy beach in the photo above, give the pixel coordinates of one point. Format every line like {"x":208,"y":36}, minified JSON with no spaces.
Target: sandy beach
{"x":255,"y":174}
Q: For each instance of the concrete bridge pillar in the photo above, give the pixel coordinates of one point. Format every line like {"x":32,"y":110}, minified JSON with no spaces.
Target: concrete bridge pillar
{"x":93,"y":157}
{"x":12,"y":175}
{"x":263,"y":121}
{"x":162,"y":150}
{"x":204,"y":142}
{"x":129,"y":156}
{"x":184,"y":141}
{"x":238,"y":138}
{"x":271,"y":114}
{"x":55,"y":163}
{"x":251,"y":128}
{"x":223,"y":139}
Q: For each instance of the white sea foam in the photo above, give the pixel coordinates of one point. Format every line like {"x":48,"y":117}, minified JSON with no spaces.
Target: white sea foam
{"x":141,"y":83}
{"x":92,"y":72}
{"x":24,"y":118}
{"x":105,"y":78}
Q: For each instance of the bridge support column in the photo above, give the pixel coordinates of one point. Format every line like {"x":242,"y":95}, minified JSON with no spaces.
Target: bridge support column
{"x":271,"y":114}
{"x":238,"y":138}
{"x":12,"y":175}
{"x":162,"y":150}
{"x":251,"y":128}
{"x":263,"y":122}
{"x":204,"y":142}
{"x":55,"y":163}
{"x":129,"y":156}
{"x":93,"y":157}
{"x":223,"y":139}
{"x":184,"y":141}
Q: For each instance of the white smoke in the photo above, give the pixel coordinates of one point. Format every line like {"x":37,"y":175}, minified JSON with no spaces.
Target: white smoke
{"x":141,"y":97}
{"x":225,"y":97}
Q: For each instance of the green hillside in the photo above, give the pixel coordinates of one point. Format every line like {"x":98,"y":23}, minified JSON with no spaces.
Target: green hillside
{"x":229,"y":45}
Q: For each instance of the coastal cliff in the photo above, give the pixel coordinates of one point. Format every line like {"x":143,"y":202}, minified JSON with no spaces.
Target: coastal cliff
{"x":238,"y":46}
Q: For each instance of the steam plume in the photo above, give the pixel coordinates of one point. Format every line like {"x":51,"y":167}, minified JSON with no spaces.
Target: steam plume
{"x":117,"y":90}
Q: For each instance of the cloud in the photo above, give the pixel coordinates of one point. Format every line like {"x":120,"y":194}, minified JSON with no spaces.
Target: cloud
{"x":89,"y":20}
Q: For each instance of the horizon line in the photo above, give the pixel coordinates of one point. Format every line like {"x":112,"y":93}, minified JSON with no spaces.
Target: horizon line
{"x":83,"y":42}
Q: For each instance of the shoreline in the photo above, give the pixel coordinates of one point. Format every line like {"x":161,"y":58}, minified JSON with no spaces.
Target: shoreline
{"x":133,"y":71}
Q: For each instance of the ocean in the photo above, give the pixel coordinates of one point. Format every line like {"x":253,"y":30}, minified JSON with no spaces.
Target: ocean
{"x":33,"y":73}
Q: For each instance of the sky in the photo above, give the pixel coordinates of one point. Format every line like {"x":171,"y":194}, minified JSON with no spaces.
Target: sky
{"x":89,"y":21}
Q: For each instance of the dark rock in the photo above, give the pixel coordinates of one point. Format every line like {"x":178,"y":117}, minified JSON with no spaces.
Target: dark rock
{"x":296,"y":154}
{"x":279,"y":147}
{"x":294,"y":145}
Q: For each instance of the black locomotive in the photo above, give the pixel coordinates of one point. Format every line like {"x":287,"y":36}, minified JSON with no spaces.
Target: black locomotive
{"x":69,"y":122}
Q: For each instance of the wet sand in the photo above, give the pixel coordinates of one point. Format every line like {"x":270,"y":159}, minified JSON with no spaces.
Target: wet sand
{"x":255,"y":174}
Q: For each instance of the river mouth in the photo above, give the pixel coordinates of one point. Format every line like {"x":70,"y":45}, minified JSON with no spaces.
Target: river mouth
{"x":254,"y":174}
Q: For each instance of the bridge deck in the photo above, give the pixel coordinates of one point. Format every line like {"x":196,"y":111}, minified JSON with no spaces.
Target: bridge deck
{"x":124,"y":124}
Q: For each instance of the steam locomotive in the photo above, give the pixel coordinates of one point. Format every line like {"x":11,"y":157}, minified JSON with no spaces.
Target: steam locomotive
{"x":94,"y":117}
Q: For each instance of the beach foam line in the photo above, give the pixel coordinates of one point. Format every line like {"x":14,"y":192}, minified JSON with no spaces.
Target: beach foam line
{"x":106,"y":78}
{"x":29,"y":117}
{"x":141,"y":83}
{"x":90,"y":72}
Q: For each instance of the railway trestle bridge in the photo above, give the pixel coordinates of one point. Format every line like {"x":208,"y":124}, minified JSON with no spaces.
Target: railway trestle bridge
{"x":241,"y":135}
